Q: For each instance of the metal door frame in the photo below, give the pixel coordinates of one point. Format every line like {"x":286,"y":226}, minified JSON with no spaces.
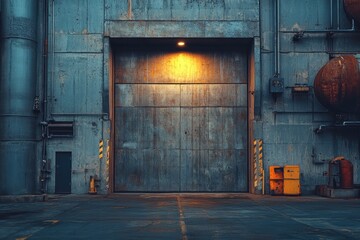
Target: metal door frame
{"x":253,"y":56}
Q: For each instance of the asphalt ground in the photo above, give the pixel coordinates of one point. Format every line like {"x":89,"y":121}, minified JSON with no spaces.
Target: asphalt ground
{"x":181,"y":216}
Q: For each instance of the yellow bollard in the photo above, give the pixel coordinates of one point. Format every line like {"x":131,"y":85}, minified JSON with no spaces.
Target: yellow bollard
{"x":92,"y":188}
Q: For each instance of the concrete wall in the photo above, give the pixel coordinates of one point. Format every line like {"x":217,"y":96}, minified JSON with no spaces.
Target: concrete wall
{"x":79,"y":63}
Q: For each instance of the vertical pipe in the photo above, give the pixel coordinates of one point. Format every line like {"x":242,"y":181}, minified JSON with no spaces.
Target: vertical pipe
{"x":277,"y":38}
{"x":338,"y":14}
{"x":18,"y":70}
{"x":331,"y":14}
{"x":43,"y":174}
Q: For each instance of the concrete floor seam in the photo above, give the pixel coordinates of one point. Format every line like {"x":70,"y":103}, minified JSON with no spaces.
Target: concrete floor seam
{"x":182,"y":219}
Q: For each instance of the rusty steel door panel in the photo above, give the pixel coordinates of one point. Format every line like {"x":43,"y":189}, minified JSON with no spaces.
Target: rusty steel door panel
{"x":181,"y":121}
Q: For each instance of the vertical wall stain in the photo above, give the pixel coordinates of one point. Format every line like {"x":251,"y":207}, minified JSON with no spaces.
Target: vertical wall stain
{"x":129,"y":10}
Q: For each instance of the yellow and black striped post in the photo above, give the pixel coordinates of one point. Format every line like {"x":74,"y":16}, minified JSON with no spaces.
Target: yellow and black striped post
{"x":255,"y":165}
{"x":101,"y":148}
{"x":107,"y":163}
{"x":107,"y":149}
{"x":259,"y":180}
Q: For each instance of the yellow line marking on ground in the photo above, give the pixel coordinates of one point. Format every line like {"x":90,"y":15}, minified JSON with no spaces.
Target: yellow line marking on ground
{"x":23,"y":238}
{"x":182,"y":220}
{"x":52,"y":221}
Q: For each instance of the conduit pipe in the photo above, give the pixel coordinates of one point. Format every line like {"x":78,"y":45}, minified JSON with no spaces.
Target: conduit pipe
{"x":18,"y":70}
{"x":277,"y":38}
{"x":44,"y":164}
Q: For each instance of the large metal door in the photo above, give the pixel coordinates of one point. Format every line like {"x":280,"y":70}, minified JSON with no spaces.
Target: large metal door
{"x":181,"y":120}
{"x":63,"y":172}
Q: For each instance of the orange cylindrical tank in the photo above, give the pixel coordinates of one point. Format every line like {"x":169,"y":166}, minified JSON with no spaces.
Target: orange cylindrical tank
{"x":337,"y":84}
{"x":346,"y":174}
{"x":340,"y":173}
{"x":352,"y":9}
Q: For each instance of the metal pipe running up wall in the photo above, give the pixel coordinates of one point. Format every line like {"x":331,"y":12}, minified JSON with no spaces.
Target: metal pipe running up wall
{"x":18,"y":70}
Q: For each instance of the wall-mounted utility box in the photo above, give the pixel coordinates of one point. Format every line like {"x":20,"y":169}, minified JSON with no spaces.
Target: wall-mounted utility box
{"x":60,"y":129}
{"x":276,"y":85}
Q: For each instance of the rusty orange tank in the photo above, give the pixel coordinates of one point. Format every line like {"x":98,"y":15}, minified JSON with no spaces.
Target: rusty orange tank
{"x":337,"y":84}
{"x":346,"y":174}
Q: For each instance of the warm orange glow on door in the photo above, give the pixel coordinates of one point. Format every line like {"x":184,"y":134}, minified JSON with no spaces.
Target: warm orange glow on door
{"x":184,"y":66}
{"x":181,"y":67}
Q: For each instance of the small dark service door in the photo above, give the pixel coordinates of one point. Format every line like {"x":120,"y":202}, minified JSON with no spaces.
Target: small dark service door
{"x":63,"y":172}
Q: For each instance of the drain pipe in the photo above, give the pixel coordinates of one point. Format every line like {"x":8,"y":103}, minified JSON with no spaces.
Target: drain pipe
{"x":331,"y":15}
{"x":277,"y":38}
{"x":44,"y":164}
{"x":338,"y":15}
{"x":18,"y":69}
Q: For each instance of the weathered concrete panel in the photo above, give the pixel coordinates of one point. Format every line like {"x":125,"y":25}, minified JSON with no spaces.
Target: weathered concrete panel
{"x":222,"y":95}
{"x":300,"y":134}
{"x":77,"y":77}
{"x":195,"y":95}
{"x":221,"y":128}
{"x":116,"y":10}
{"x":297,"y":15}
{"x":79,"y":16}
{"x":347,"y":43}
{"x":122,"y":95}
{"x":212,"y":128}
{"x":198,"y":164}
{"x":195,"y":178}
{"x":231,"y":29}
{"x":137,"y":125}
{"x":89,"y":43}
{"x":223,"y":166}
{"x":128,"y":131}
{"x":308,"y":44}
{"x":194,"y":128}
{"x":211,"y":10}
{"x":118,"y":29}
{"x":147,"y":95}
{"x":147,"y":170}
{"x":167,"y":123}
{"x":175,"y":29}
{"x":190,"y":29}
{"x":241,"y":95}
{"x":243,"y":10}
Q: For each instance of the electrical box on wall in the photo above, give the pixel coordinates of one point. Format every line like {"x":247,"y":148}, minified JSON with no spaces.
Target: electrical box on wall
{"x":276,"y":85}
